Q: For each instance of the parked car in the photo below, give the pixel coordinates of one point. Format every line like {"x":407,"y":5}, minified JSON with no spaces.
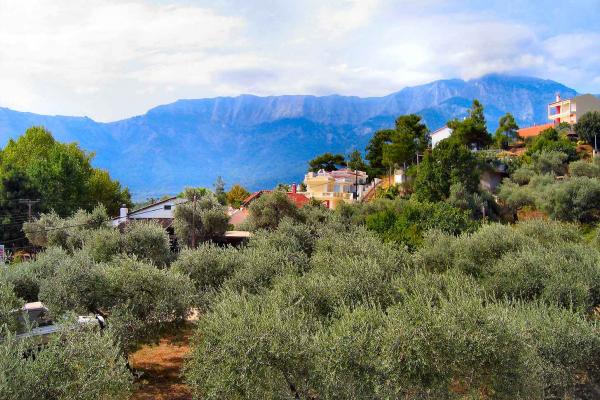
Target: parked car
{"x":35,"y":323}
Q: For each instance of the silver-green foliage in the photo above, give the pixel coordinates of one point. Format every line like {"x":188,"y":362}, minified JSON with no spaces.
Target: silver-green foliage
{"x":77,"y":364}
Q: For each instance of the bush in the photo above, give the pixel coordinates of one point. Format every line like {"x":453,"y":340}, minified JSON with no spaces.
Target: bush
{"x":476,"y":254}
{"x":550,"y":162}
{"x":263,"y":352}
{"x":77,"y":285}
{"x":563,"y":274}
{"x":522,"y":175}
{"x":27,"y":276}
{"x":104,"y":244}
{"x":415,"y":218}
{"x":8,"y":303}
{"x":585,"y":168}
{"x":75,"y":364}
{"x":148,"y":241}
{"x":208,"y":266}
{"x":144,"y":297}
{"x":574,"y":199}
{"x":269,"y":209}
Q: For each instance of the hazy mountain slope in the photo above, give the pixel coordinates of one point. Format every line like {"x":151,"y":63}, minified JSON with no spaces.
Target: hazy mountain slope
{"x":259,"y":141}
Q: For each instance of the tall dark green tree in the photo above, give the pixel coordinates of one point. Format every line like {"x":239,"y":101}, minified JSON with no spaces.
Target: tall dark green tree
{"x":506,"y":132}
{"x":327,"y":162}
{"x":400,"y":146}
{"x":375,"y":151}
{"x":588,"y":126}
{"x":61,"y":173}
{"x":449,"y":163}
{"x":14,"y":186}
{"x":220,"y":190}
{"x":356,"y":162}
{"x":472,"y":131}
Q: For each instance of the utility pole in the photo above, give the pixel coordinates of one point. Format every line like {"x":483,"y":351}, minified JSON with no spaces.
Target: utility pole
{"x":29,"y":203}
{"x":194,"y":223}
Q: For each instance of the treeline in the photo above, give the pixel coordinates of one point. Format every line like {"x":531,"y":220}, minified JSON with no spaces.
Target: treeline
{"x":58,"y":177}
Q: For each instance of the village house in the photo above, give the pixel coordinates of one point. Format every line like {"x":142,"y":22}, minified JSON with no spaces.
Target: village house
{"x":559,"y":111}
{"x":439,"y":135}
{"x":161,"y":212}
{"x":239,"y":216}
{"x":334,"y":187}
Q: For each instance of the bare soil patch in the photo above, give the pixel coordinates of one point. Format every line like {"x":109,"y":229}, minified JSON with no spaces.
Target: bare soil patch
{"x":160,"y":368}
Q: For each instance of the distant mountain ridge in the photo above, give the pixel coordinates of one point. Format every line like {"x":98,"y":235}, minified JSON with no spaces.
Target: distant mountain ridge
{"x":259,"y":141}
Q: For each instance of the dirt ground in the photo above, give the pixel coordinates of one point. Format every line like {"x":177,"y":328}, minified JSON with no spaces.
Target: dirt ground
{"x":160,"y":367}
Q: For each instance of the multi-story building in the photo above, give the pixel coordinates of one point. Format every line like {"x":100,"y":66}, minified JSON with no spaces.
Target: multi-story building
{"x":569,"y":110}
{"x":335,"y":187}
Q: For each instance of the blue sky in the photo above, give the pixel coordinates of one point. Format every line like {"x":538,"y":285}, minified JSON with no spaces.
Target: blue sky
{"x":110,"y":59}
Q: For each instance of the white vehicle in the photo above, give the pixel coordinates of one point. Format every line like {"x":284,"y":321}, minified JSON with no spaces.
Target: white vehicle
{"x":36,"y":316}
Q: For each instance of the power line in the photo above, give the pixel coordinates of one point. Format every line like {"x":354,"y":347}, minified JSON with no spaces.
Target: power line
{"x":68,"y":227}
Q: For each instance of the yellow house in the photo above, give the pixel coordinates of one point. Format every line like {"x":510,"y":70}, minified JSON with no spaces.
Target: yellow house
{"x":335,"y":187}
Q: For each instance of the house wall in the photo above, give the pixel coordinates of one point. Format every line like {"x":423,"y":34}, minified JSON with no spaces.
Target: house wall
{"x":440,"y":135}
{"x":586,"y":103}
{"x":157,"y":210}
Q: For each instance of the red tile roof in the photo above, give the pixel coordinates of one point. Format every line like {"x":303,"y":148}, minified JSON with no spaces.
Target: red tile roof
{"x":298,"y":199}
{"x":534,"y":130}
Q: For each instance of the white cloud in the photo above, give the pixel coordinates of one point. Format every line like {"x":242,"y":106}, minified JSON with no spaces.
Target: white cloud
{"x":112,"y":59}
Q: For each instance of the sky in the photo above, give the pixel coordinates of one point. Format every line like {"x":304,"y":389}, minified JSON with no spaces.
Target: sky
{"x":112,"y":59}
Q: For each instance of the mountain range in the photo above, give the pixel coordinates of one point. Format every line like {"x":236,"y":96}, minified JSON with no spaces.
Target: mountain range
{"x":260,"y":141}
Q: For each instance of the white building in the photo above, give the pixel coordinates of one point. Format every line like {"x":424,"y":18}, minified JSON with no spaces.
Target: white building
{"x":161,"y":212}
{"x":439,"y":135}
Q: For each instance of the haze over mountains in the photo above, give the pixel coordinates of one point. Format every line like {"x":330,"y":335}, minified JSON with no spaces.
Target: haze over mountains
{"x":260,"y":141}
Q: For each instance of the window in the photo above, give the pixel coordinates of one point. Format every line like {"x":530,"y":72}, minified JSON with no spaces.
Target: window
{"x":167,"y":207}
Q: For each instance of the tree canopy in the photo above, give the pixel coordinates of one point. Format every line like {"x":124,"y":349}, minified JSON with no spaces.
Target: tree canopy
{"x":472,"y":131}
{"x":506,"y":132}
{"x":60,"y":174}
{"x":588,"y":126}
{"x":327,"y":161}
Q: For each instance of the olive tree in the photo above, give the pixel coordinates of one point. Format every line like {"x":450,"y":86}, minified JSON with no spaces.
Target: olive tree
{"x":77,"y":364}
{"x":201,"y":218}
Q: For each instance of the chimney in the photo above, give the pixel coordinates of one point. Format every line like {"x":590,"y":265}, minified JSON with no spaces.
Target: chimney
{"x":557,"y":96}
{"x":294,"y":188}
{"x":123,"y":211}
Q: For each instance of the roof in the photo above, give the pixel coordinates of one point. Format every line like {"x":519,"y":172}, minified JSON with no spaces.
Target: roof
{"x":298,"y":199}
{"x":153,"y":204}
{"x":443,"y":128}
{"x":533,"y":130}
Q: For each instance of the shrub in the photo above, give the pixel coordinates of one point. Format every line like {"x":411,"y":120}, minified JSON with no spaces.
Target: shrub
{"x":202,"y":218}
{"x":250,"y":348}
{"x":76,"y":364}
{"x":515,"y":196}
{"x":415,"y":218}
{"x":208,"y":266}
{"x":77,"y":285}
{"x":548,"y":162}
{"x":574,"y":199}
{"x":522,"y":175}
{"x":566,"y":275}
{"x":8,"y":303}
{"x":27,"y":276}
{"x":347,"y":355}
{"x":104,"y":244}
{"x":477,"y":253}
{"x":148,"y":241}
{"x":566,"y":344}
{"x":269,"y":209}
{"x":585,"y":168}
{"x":144,"y":298}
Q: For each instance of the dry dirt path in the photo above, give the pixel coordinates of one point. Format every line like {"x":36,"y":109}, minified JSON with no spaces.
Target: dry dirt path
{"x":160,"y":366}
